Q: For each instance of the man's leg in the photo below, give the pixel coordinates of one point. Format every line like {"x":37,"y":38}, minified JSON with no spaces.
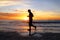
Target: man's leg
{"x":34,"y":26}
{"x":29,"y":26}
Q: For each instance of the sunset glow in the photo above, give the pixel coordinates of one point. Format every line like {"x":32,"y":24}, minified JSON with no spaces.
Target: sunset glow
{"x":18,"y":10}
{"x":26,"y":18}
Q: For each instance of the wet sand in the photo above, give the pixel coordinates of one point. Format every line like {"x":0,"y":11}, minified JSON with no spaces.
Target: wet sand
{"x":16,"y":36}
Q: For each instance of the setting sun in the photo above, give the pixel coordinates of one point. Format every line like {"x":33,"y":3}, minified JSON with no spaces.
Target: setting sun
{"x":26,"y":18}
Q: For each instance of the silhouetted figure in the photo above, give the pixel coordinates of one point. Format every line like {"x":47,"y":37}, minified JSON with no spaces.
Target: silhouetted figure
{"x":31,"y":19}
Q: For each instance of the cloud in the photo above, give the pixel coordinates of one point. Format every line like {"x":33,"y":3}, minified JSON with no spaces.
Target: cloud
{"x":13,"y":2}
{"x":10,"y":0}
{"x":9,"y":16}
{"x":8,"y":3}
{"x":6,"y":6}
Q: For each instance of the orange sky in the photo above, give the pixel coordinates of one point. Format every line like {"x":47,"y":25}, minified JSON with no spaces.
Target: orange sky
{"x":17,"y":9}
{"x":38,"y":15}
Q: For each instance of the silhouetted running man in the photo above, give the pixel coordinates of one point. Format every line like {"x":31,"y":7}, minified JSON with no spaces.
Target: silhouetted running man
{"x":31,"y":18}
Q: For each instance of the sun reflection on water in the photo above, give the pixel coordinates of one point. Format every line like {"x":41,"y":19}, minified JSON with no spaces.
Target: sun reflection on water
{"x":24,"y":30}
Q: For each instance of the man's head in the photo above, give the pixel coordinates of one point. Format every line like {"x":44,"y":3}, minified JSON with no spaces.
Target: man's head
{"x":29,"y":10}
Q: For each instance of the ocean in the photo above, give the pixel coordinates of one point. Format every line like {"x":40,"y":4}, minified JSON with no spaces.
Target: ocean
{"x":22,"y":27}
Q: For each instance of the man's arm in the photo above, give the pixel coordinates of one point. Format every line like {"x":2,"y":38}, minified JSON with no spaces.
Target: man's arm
{"x":27,"y":16}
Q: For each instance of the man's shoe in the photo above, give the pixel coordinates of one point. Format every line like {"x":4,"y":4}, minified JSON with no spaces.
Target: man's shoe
{"x":29,"y":29}
{"x":35,"y":27}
